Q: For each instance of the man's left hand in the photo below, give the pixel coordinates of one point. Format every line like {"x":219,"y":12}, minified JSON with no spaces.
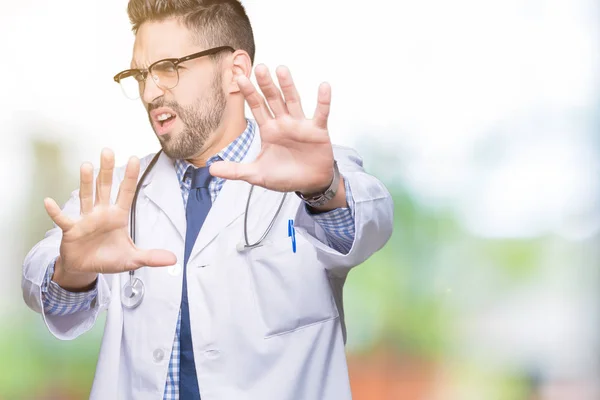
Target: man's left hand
{"x":296,"y":152}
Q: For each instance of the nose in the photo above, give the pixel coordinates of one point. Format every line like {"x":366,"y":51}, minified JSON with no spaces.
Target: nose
{"x":151,"y":90}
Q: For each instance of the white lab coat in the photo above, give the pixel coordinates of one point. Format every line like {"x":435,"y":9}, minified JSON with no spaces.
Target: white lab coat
{"x":266,"y":323}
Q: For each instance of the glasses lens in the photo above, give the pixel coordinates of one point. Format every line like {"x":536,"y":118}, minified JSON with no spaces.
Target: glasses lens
{"x":132,"y":84}
{"x":165,"y":74}
{"x":131,"y":87}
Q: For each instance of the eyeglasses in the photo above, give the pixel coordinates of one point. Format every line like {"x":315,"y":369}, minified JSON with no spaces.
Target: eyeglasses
{"x":164,"y":73}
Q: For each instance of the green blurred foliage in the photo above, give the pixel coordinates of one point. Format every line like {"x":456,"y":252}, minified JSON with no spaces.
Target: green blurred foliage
{"x":37,"y":366}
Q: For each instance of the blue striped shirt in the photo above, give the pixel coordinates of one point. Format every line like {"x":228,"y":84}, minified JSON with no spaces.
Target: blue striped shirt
{"x":337,"y":224}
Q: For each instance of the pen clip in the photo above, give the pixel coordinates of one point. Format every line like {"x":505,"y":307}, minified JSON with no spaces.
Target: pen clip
{"x":292,"y":234}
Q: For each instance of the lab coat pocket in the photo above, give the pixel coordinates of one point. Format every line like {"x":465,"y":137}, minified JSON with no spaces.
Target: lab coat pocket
{"x":292,"y":289}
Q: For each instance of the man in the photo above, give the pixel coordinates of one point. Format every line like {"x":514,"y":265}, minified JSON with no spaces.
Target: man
{"x":211,"y":316}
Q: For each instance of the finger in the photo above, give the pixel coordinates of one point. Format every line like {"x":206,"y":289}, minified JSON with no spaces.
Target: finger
{"x":129,"y":184}
{"x":255,"y":101}
{"x":104,"y":179}
{"x":235,"y":171}
{"x":292,"y":98}
{"x":60,"y":219}
{"x":271,"y":92}
{"x":323,"y":105}
{"x":153,"y":258}
{"x":86,"y":188}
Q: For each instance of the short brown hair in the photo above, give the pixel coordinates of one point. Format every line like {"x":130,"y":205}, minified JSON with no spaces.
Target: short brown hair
{"x":216,"y":22}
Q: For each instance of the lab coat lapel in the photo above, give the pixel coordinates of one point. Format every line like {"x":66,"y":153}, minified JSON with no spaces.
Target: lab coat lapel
{"x":164,"y":191}
{"x":230,"y":203}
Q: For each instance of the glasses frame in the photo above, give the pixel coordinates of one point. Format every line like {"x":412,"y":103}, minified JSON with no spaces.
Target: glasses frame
{"x":176,"y":61}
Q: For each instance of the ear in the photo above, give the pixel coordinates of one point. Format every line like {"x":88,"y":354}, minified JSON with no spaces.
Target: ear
{"x":240,"y":65}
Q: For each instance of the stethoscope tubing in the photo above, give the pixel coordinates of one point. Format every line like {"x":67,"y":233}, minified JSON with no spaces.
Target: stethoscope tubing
{"x":248,"y":245}
{"x":133,"y":291}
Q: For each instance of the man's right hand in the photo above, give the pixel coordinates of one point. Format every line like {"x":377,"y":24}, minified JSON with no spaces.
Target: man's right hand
{"x":99,"y":241}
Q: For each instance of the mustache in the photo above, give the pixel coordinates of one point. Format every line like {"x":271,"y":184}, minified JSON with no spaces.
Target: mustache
{"x":161,"y":103}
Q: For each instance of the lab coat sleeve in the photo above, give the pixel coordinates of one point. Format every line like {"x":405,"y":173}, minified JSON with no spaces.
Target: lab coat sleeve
{"x":59,"y":301}
{"x":337,"y":224}
{"x":373,"y":216}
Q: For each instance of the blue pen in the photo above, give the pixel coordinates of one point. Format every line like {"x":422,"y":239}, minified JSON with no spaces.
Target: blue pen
{"x":292,"y":234}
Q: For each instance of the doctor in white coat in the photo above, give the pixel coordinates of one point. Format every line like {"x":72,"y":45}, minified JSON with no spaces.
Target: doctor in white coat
{"x":217,"y":320}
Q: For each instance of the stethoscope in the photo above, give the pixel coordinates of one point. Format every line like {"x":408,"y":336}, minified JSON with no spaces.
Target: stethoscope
{"x":133,"y":291}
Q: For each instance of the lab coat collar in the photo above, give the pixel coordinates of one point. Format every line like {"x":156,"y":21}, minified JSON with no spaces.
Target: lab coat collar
{"x":162,"y":188}
{"x":230,"y":203}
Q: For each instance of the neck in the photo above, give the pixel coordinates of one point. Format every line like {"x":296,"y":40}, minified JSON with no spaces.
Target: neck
{"x":232,"y":126}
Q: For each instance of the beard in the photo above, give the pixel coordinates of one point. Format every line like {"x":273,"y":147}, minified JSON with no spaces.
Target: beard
{"x":199,"y":121}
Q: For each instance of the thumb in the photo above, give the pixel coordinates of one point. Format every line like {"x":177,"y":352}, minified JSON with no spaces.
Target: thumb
{"x":154,"y":258}
{"x":233,"y":170}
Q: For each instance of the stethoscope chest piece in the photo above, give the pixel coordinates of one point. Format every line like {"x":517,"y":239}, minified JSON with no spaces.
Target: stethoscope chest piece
{"x":132,"y":293}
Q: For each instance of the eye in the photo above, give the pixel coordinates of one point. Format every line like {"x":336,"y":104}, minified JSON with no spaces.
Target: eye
{"x":164,"y":67}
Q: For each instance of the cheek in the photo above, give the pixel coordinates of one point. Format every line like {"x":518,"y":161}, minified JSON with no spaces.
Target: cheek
{"x":184,"y":96}
{"x":189,"y":89}
{"x":194,"y":89}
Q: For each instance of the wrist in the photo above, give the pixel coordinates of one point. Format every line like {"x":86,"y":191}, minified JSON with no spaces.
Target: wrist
{"x":338,"y":201}
{"x":72,"y":281}
{"x":319,"y":198}
{"x":316,"y":191}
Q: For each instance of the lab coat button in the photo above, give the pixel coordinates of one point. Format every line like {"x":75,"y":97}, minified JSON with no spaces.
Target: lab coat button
{"x":159,"y":355}
{"x":175,"y":270}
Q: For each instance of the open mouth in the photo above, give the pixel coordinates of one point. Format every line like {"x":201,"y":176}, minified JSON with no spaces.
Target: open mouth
{"x":163,"y":120}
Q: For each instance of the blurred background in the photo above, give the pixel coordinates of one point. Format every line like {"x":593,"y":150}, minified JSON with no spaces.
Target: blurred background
{"x":482,"y":118}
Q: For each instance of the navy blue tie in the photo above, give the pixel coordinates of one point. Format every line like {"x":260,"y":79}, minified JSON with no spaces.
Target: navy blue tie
{"x":197,"y":208}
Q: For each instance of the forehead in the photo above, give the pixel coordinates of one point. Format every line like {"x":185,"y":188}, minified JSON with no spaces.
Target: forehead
{"x":156,"y":40}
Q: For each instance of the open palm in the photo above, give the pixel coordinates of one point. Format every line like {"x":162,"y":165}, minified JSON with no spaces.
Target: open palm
{"x":99,"y":241}
{"x":296,"y":153}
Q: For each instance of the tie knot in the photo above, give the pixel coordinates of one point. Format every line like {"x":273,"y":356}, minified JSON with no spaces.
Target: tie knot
{"x":200,"y":178}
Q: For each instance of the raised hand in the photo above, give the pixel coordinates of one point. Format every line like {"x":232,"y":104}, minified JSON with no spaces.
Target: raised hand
{"x":296,"y":153}
{"x":99,"y":241}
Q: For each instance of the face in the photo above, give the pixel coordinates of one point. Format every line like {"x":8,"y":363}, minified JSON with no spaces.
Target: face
{"x":183,"y":117}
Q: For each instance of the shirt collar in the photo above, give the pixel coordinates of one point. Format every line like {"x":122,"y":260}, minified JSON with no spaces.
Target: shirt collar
{"x":235,"y":152}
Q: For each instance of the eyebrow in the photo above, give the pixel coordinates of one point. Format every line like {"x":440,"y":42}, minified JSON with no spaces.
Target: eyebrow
{"x":135,"y":65}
